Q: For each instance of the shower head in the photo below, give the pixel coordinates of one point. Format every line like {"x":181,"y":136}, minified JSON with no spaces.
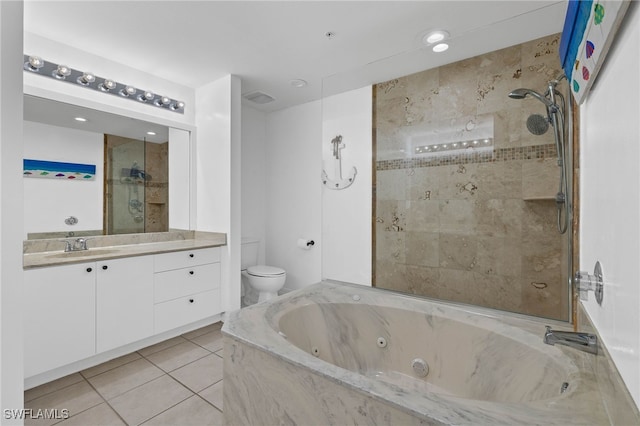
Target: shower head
{"x":522,"y":93}
{"x":537,"y":124}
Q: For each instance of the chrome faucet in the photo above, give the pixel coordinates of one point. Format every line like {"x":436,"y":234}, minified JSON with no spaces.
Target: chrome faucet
{"x":78,"y":245}
{"x":582,"y":341}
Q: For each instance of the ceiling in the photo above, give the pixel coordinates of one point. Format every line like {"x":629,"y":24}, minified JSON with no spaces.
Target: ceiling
{"x":268,"y":43}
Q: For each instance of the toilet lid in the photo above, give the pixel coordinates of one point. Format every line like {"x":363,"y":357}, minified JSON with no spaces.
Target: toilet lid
{"x":264,"y":271}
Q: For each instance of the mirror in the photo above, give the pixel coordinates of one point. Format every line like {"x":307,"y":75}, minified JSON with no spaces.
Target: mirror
{"x":129,"y":189}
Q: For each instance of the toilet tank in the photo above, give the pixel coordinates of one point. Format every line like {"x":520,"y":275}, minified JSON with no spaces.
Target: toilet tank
{"x":248,"y":252}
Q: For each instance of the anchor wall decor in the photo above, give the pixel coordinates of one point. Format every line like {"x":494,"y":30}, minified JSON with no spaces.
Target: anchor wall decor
{"x":338,"y":182}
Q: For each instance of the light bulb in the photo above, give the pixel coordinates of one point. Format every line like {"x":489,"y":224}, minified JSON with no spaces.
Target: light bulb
{"x":107,"y":85}
{"x":34,"y":63}
{"x":145,"y":96}
{"x":62,"y":72}
{"x":162,"y":101}
{"x":177,"y":105}
{"x":439,"y":48}
{"x":128,"y":91}
{"x":435,"y":36}
{"x":86,"y":79}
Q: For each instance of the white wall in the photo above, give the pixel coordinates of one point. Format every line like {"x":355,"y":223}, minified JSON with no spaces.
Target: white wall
{"x":254,"y":187}
{"x":11,"y":208}
{"x":218,"y":118}
{"x":294,"y":192}
{"x":48,"y":202}
{"x":610,"y":199}
{"x":346,"y":213}
{"x":298,"y":206}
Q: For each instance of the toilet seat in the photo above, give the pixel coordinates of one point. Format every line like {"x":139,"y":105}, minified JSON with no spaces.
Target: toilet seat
{"x":265,"y":271}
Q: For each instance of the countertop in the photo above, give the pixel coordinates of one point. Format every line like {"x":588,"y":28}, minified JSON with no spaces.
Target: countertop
{"x":43,"y":253}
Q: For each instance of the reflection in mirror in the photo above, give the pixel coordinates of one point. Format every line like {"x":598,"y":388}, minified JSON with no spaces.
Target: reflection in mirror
{"x":129,"y":192}
{"x":456,"y":222}
{"x":136,"y":189}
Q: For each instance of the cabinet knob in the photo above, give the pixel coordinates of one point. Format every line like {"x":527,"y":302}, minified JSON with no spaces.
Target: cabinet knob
{"x":89,"y":269}
{"x":191,"y":272}
{"x":191,"y":254}
{"x":105,"y":267}
{"x":191,"y":300}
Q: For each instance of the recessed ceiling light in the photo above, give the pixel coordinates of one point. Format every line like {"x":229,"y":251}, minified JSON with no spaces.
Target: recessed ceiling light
{"x":435,"y":36}
{"x":438,"y":48}
{"x":298,"y":83}
{"x":150,"y":133}
{"x":80,"y":119}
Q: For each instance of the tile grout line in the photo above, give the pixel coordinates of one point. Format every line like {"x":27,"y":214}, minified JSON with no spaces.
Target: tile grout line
{"x":110,"y":369}
{"x":55,"y":390}
{"x":107,"y":402}
{"x":177,"y":403}
{"x":177,"y":368}
{"x":103,"y":399}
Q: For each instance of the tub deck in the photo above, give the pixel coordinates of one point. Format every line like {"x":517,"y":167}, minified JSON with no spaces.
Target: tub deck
{"x":273,"y":374}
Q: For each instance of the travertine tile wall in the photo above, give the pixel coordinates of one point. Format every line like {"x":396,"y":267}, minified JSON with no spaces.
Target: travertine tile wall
{"x":157,"y":189}
{"x":472,"y":227}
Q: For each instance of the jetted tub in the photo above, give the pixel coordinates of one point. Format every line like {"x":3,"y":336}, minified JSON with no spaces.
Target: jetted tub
{"x":336,"y":353}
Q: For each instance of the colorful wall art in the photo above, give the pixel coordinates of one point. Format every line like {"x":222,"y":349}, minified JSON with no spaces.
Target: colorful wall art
{"x":589,"y":30}
{"x":58,"y":170}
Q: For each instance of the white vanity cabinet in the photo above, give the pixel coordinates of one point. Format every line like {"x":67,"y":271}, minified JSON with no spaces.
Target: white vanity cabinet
{"x":186,"y":287}
{"x":124,"y":301}
{"x":59,"y":316}
{"x":77,"y":313}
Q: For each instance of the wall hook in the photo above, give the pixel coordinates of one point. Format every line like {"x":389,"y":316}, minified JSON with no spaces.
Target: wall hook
{"x":338,"y":182}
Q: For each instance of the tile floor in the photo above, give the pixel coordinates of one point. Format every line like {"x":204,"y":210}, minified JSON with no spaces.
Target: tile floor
{"x":175,"y":382}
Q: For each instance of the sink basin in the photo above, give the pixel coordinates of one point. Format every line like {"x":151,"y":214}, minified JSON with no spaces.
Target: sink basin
{"x":82,"y":253}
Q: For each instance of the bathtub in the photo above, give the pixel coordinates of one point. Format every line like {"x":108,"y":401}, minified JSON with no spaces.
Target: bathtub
{"x":335,"y":353}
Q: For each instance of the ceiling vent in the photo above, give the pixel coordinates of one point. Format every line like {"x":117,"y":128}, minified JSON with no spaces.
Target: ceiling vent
{"x":258,"y":97}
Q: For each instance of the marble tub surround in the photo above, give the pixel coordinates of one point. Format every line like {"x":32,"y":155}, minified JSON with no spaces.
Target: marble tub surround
{"x":621,"y":408}
{"x":314,"y":356}
{"x":50,"y":252}
{"x":475,"y":226}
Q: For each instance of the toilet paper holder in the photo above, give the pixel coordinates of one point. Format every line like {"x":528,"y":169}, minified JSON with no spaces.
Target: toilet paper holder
{"x":305,"y":243}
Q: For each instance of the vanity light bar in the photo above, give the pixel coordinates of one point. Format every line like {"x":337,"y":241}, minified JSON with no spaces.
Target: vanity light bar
{"x":450,"y":147}
{"x":36,"y":65}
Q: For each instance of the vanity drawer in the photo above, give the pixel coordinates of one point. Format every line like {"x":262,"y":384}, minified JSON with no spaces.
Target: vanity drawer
{"x":185,"y":310}
{"x":182,"y":282}
{"x":186,"y":258}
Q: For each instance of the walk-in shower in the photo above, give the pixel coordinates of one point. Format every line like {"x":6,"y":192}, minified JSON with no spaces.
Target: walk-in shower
{"x":474,"y":220}
{"x":561,"y":121}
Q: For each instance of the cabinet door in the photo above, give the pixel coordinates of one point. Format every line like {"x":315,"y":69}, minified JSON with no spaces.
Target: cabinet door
{"x":124,"y":301}
{"x":59,"y":316}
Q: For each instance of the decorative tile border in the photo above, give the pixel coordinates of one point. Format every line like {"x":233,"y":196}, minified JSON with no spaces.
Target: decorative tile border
{"x":497,"y":155}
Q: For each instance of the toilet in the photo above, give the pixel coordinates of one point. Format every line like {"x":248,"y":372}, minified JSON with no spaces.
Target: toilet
{"x":262,"y":279}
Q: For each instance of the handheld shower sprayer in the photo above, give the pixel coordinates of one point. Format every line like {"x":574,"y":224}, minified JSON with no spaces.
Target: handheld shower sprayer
{"x":523,"y":93}
{"x":538,"y":125}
